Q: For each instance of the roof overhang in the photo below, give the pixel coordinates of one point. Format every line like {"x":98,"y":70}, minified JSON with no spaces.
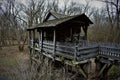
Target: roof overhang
{"x":54,"y":23}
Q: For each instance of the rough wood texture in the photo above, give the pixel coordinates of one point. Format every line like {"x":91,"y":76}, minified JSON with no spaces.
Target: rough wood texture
{"x":54,"y":42}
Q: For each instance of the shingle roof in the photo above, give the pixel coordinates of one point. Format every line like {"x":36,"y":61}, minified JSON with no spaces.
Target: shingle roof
{"x":52,"y":23}
{"x":60,"y":19}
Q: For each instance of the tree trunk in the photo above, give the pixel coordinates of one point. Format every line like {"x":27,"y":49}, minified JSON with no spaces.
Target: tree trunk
{"x":21,"y":47}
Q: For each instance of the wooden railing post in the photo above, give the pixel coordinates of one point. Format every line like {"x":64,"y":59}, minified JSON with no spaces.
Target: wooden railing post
{"x":33,"y":38}
{"x":75,"y":54}
{"x":54,"y":42}
{"x":41,"y":37}
{"x":29,"y":38}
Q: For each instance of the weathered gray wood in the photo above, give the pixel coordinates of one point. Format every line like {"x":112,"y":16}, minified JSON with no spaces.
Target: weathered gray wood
{"x":84,"y":57}
{"x":71,"y":33}
{"x":64,"y":51}
{"x":85,"y":52}
{"x":89,"y":50}
{"x":75,"y":53}
{"x":33,"y":37}
{"x":64,"y":46}
{"x":49,"y":51}
{"x":39,"y":39}
{"x":29,"y":38}
{"x":64,"y":55}
{"x":107,"y":61}
{"x":54,"y":42}
{"x":41,"y":32}
{"x":46,"y":43}
{"x":70,"y":49}
{"x":87,"y":47}
{"x":110,"y":52}
{"x":82,"y":72}
{"x":48,"y":47}
{"x":102,"y":69}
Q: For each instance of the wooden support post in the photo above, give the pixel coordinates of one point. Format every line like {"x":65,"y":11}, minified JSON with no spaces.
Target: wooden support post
{"x":54,"y":42}
{"x":102,"y":69}
{"x":94,"y":70}
{"x":41,"y":37}
{"x":89,"y":71}
{"x":71,"y":34}
{"x":29,"y":38}
{"x":85,"y":28}
{"x":31,"y":54}
{"x":33,"y":42}
{"x":105,"y":72}
{"x":30,"y":43}
{"x":33,"y":37}
{"x":81,"y":70}
{"x":75,"y":54}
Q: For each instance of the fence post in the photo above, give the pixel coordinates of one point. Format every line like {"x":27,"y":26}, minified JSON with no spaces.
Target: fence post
{"x":75,"y":54}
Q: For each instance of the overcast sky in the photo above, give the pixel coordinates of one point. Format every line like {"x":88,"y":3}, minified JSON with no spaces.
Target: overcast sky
{"x":93,"y":3}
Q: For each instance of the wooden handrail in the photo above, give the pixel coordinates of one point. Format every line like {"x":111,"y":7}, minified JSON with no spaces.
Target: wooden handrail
{"x":83,"y":52}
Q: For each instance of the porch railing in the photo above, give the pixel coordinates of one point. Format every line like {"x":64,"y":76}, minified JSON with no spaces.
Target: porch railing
{"x":82,"y":51}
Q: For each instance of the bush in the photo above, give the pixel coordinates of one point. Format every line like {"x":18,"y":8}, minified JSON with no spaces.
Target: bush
{"x":114,"y":72}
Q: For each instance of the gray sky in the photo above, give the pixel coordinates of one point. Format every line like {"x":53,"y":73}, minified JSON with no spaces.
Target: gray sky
{"x":93,"y":3}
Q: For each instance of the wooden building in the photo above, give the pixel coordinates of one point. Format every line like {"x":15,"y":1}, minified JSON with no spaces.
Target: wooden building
{"x":63,"y":28}
{"x":59,"y":37}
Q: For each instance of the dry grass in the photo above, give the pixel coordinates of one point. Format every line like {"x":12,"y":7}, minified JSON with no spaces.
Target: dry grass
{"x":16,"y":66}
{"x":9,"y":58}
{"x":104,"y":34}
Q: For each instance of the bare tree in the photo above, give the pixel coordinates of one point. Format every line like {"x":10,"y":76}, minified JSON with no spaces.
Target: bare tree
{"x":34,"y":11}
{"x":69,"y":7}
{"x":113,"y":10}
{"x":13,"y":25}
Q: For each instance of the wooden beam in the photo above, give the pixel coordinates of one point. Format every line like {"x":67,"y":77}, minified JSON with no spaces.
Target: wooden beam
{"x":80,"y":33}
{"x":82,"y":72}
{"x":54,"y":41}
{"x":103,"y":68}
{"x":106,"y":61}
{"x":71,"y":34}
{"x":105,"y":72}
{"x":91,"y":66}
{"x":85,"y":28}
{"x":33,"y":34}
{"x":30,"y":55}
{"x":39,"y":39}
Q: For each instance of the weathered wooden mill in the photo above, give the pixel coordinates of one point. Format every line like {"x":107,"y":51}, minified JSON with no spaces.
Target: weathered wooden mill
{"x":61,"y":36}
